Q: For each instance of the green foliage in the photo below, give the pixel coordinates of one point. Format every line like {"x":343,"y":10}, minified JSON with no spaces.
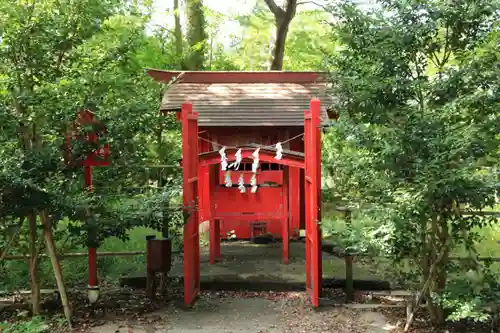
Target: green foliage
{"x":307,"y":41}
{"x":90,"y":55}
{"x":34,"y":325}
{"x":418,"y":88}
{"x":196,"y":34}
{"x":358,"y":236}
{"x":14,"y":275}
{"x":218,"y":58}
{"x":471,"y":294}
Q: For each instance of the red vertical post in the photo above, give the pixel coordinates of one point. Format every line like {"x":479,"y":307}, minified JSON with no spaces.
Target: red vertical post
{"x":216,"y":223}
{"x":316,"y":110}
{"x":307,"y":199}
{"x":93,"y":285}
{"x":285,"y":220}
{"x":208,"y":213}
{"x":294,"y":200}
{"x":312,"y":137}
{"x":87,"y":176}
{"x":203,"y":192}
{"x":216,"y":233}
{"x":190,"y":202}
{"x":203,"y":187}
{"x":214,"y":247}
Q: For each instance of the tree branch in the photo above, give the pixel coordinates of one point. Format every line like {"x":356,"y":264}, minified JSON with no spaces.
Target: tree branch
{"x":447,"y":50}
{"x":274,"y":8}
{"x":325,"y":8}
{"x":426,"y":286}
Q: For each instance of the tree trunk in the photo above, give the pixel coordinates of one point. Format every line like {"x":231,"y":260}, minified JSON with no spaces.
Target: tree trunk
{"x":279,"y":45}
{"x":425,"y":287}
{"x":33,"y":266}
{"x":283,"y":18}
{"x":178,"y":30}
{"x":441,"y":274}
{"x":52,"y":253}
{"x":437,"y":242}
{"x":196,"y":35}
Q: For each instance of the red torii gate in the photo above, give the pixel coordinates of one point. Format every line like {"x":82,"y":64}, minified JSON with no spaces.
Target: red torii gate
{"x":312,"y":166}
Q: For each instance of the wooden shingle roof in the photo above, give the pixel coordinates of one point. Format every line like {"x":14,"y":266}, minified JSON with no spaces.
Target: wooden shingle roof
{"x":247,"y":98}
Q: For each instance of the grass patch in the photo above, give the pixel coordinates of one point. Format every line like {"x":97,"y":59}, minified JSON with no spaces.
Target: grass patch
{"x":335,"y":228}
{"x":14,"y":275}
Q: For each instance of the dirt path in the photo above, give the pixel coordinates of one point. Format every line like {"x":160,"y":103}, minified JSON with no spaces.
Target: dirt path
{"x":216,"y":313}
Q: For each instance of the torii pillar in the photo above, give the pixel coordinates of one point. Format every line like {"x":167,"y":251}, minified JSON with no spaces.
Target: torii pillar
{"x":312,"y":161}
{"x":190,"y":202}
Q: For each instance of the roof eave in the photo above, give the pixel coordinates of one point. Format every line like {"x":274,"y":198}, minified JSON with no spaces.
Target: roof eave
{"x":238,"y":76}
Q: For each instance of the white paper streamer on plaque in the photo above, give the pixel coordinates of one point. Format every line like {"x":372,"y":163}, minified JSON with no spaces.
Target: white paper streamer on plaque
{"x":279,"y":151}
{"x":223,"y":159}
{"x":255,"y":164}
{"x":241,"y":184}
{"x":253,"y":183}
{"x":227,"y":179}
{"x":236,"y":164}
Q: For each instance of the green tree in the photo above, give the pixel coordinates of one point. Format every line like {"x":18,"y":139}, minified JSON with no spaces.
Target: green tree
{"x":57,"y":57}
{"x":196,"y":34}
{"x":178,"y":31}
{"x":283,"y":17}
{"x":418,"y":90}
{"x":307,"y":42}
{"x":218,"y":57}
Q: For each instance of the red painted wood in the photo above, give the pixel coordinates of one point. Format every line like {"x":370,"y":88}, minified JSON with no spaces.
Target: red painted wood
{"x":266,"y":200}
{"x":312,"y":187}
{"x":87,"y":177}
{"x":190,"y":202}
{"x":298,"y":145}
{"x":275,"y":176}
{"x":214,"y":253}
{"x":204,"y":183}
{"x":216,"y":222}
{"x":237,"y":77}
{"x":205,"y":208}
{"x":285,"y":227}
{"x":307,"y":201}
{"x":316,"y":113}
{"x":241,"y":136}
{"x":204,"y":193}
{"x":294,"y":200}
{"x":234,"y":221}
{"x":274,"y":225}
{"x":203,"y":143}
{"x":241,"y":225}
{"x":92,"y":267}
{"x":218,"y":254}
{"x":264,"y":157}
{"x":237,"y":210}
{"x":92,"y":257}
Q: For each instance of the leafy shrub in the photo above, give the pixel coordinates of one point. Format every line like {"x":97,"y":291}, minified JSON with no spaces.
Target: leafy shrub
{"x":34,"y":325}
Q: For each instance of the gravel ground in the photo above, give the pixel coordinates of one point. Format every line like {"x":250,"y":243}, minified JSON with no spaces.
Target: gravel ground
{"x":251,"y":313}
